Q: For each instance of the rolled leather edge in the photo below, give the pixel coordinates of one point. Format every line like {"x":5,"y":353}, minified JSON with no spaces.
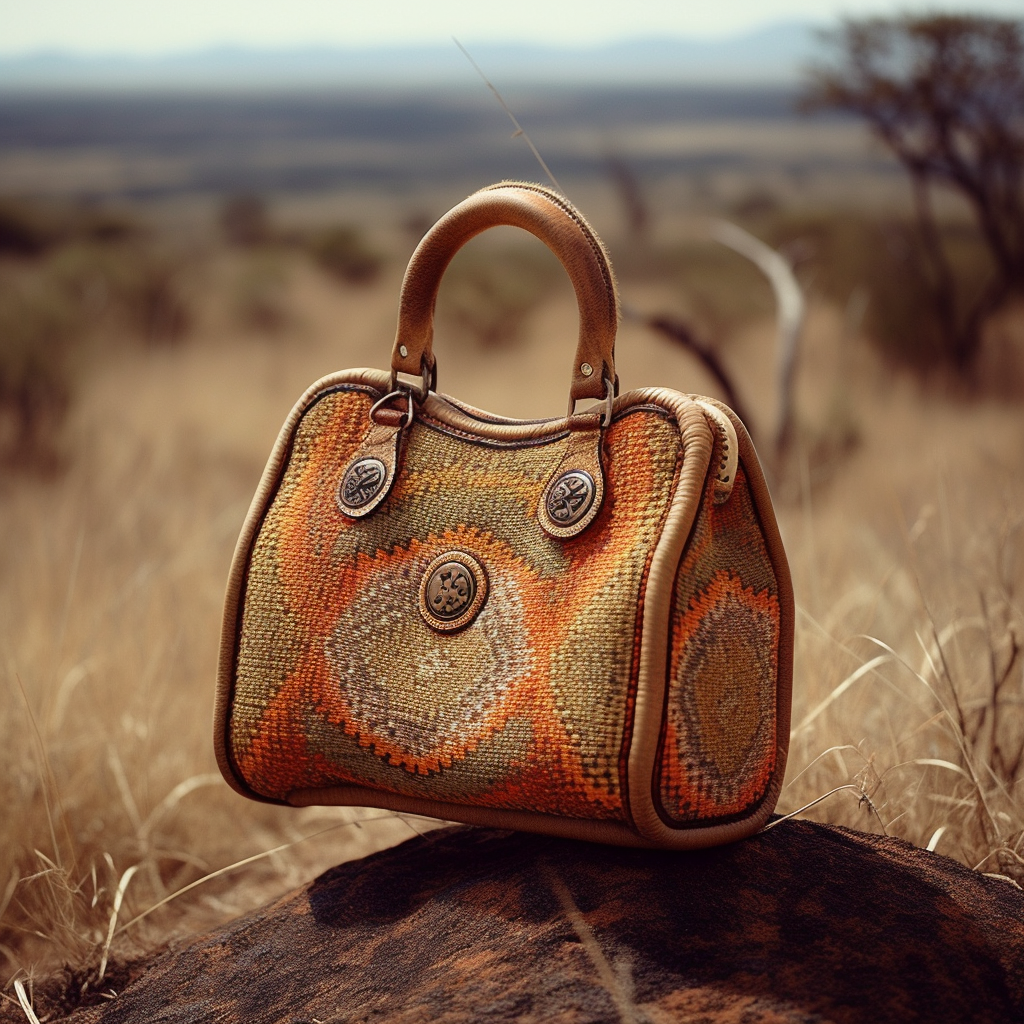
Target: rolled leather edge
{"x":695,"y":836}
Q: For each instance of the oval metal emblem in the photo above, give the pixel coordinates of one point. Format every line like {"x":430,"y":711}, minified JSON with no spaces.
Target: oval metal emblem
{"x":362,"y":482}
{"x":452,"y":591}
{"x":570,"y":497}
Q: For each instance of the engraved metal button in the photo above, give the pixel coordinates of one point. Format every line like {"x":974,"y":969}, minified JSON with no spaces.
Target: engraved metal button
{"x":362,"y":482}
{"x":452,"y":591}
{"x":570,"y":497}
{"x":586,"y":369}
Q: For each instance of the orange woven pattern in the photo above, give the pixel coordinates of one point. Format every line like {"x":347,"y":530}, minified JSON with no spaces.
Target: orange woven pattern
{"x":718,"y":741}
{"x":340,"y":681}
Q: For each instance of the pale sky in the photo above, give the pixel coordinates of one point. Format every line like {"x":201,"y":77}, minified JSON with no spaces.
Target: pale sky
{"x":148,"y":27}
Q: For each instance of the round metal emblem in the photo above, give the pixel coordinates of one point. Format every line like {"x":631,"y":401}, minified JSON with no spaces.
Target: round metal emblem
{"x":362,"y":482}
{"x":570,"y":497}
{"x":453,"y":590}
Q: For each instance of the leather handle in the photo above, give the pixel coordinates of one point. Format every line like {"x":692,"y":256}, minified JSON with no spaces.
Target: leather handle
{"x":558,"y":225}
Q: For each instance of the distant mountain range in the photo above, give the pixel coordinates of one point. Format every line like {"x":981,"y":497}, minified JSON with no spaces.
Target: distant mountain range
{"x":772,"y":55}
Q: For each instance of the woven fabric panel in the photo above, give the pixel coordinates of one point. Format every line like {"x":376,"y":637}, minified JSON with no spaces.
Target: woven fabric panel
{"x":718,"y":741}
{"x":340,"y":681}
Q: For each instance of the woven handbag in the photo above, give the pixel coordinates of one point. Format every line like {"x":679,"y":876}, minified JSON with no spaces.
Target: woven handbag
{"x":579,"y":626}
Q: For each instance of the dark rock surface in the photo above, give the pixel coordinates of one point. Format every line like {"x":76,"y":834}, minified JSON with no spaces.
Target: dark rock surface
{"x":805,"y":922}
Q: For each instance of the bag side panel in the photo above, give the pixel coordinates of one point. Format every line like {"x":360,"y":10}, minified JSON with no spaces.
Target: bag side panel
{"x":718,"y":740}
{"x":726,"y":725}
{"x":339,"y":682}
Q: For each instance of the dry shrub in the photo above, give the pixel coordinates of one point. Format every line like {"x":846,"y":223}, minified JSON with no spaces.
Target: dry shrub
{"x":344,"y":253}
{"x":245,"y":220}
{"x":68,"y":279}
{"x":838,"y":253}
{"x":31,"y":227}
{"x":340,"y":249}
{"x":37,"y":330}
{"x":140,"y":289}
{"x":26,"y":229}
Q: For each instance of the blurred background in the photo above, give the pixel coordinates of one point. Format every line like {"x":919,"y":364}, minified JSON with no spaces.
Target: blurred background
{"x":815,"y":211}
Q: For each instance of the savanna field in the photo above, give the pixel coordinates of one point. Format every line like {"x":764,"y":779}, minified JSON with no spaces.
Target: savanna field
{"x":152,"y":347}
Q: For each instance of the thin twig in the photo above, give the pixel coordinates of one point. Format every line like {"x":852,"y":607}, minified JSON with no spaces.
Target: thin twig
{"x":817,"y":800}
{"x":677,"y":331}
{"x":512,"y":117}
{"x":118,"y":898}
{"x":26,"y":1005}
{"x":790,"y":312}
{"x":810,"y":765}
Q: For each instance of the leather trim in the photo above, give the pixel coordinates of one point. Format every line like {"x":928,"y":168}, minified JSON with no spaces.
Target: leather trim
{"x":787,"y":606}
{"x":381,"y":444}
{"x":587,"y":829}
{"x":651,"y":677}
{"x":725,"y":469}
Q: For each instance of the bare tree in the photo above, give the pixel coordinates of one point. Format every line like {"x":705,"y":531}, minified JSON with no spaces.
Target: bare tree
{"x":946,"y":95}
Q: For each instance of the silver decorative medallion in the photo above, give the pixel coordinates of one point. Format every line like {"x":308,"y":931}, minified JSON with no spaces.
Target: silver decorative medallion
{"x":570,"y":497}
{"x":452,"y":591}
{"x":362,"y":483}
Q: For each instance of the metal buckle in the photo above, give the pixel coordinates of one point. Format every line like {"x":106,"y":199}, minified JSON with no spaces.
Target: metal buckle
{"x":606,"y":403}
{"x":388,"y":397}
{"x":428,"y":384}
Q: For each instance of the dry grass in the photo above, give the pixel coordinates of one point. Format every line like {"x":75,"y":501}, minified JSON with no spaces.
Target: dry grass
{"x":907,"y":552}
{"x":910,"y":691}
{"x":113,"y":582}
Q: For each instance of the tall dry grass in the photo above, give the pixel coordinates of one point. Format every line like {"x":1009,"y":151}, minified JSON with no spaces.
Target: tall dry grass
{"x":909,"y":706}
{"x":113,"y":583}
{"x":907,"y":555}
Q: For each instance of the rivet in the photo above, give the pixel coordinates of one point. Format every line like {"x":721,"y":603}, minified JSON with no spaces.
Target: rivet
{"x":362,"y":483}
{"x":403,"y":351}
{"x":586,"y":369}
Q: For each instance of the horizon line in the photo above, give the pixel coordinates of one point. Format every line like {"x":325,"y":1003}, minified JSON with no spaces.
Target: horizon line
{"x":227,"y":46}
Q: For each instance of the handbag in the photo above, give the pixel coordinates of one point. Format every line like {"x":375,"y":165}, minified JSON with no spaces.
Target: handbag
{"x":579,"y":626}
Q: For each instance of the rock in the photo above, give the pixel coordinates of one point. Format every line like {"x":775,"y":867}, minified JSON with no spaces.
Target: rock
{"x":805,"y":922}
